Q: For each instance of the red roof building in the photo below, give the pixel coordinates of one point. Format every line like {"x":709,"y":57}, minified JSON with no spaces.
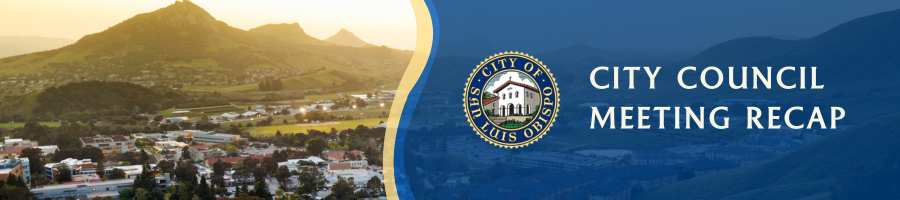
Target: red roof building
{"x":13,"y":151}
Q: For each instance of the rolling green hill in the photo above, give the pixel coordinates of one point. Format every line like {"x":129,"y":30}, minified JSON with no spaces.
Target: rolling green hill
{"x":185,"y":35}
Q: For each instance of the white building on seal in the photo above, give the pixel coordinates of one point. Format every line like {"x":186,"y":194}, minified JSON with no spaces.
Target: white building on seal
{"x":515,"y":99}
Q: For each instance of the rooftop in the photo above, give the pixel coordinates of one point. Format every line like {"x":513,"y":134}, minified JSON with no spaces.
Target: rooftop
{"x":103,"y":138}
{"x":515,"y":83}
{"x":76,"y":185}
{"x":14,"y":150}
{"x":338,"y":166}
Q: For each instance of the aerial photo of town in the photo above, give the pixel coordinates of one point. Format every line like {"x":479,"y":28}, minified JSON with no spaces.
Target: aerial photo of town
{"x":168,"y":101}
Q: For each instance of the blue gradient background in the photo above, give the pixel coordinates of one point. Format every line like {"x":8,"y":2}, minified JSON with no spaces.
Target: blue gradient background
{"x":856,"y":62}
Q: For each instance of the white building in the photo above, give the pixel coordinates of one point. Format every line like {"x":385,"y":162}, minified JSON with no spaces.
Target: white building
{"x":515,"y":98}
{"x":205,"y":136}
{"x":109,"y":144}
{"x":48,"y":149}
{"x":88,"y":190}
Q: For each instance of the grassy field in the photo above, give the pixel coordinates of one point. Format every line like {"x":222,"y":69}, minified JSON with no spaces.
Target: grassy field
{"x":323,"y":96}
{"x":21,"y":124}
{"x":202,"y":111}
{"x":221,"y":88}
{"x":270,"y":130}
{"x":367,"y":112}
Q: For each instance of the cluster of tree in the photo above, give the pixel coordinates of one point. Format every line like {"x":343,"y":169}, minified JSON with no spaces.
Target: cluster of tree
{"x":271,"y":85}
{"x":252,"y":171}
{"x":120,"y":98}
{"x":219,"y":168}
{"x":349,"y":103}
{"x":265,"y":122}
{"x":15,"y":188}
{"x":132,"y":157}
{"x":345,"y":188}
{"x":145,"y":187}
{"x":317,"y":115}
{"x":65,"y":136}
{"x":35,"y":161}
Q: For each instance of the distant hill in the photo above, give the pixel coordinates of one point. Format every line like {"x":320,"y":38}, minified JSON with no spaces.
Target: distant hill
{"x":867,"y":45}
{"x":580,"y":53}
{"x":290,"y":32}
{"x":18,"y":45}
{"x":473,"y":47}
{"x":858,"y":57}
{"x":184,"y":35}
{"x":346,"y":38}
{"x":785,"y":36}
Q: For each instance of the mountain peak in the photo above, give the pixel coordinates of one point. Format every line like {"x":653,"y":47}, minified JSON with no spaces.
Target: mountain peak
{"x":293,"y":28}
{"x":292,"y":32}
{"x":347,"y":38}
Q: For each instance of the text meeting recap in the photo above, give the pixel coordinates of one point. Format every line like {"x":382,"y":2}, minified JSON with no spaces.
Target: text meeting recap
{"x":709,"y":78}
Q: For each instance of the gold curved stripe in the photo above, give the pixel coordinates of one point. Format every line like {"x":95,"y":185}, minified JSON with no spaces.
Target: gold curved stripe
{"x":424,"y":37}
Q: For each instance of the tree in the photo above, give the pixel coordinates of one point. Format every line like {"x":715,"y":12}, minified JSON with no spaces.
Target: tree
{"x":15,"y":181}
{"x":158,"y":118}
{"x":35,"y":158}
{"x":219,"y":169}
{"x":186,"y":172}
{"x":234,"y":130}
{"x":166,"y":166}
{"x":270,"y":165}
{"x":65,"y":174}
{"x":283,"y":175}
{"x":180,"y":138}
{"x":343,"y":188}
{"x":144,"y":156}
{"x":13,"y":192}
{"x":244,"y":189}
{"x":374,"y":186}
{"x":185,"y":153}
{"x":259,"y":174}
{"x":261,"y":190}
{"x":311,"y":180}
{"x":186,"y":191}
{"x":316,"y":147}
{"x":232,"y":151}
{"x":126,"y":193}
{"x":145,"y":180}
{"x":117,"y":174}
{"x":203,"y":190}
{"x":242,"y":174}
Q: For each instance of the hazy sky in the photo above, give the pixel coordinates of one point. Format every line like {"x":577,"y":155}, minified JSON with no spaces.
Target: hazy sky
{"x":382,"y":22}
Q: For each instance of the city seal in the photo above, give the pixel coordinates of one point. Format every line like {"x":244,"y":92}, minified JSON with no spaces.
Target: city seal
{"x":511,"y":99}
